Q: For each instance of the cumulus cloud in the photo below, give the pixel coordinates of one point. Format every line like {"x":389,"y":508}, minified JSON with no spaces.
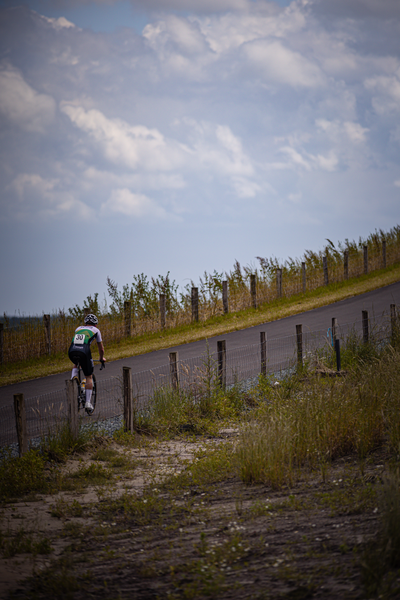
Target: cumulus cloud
{"x":213,"y":148}
{"x":21,"y":104}
{"x":134,"y":146}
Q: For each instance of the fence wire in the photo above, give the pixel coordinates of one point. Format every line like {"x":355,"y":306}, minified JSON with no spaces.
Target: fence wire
{"x":243,"y":365}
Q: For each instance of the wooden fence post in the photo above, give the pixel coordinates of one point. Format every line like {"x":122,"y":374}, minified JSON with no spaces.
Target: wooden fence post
{"x":299,"y":341}
{"x":303,"y":275}
{"x":195,"y":304}
{"x":394,"y":322}
{"x":71,"y":388}
{"x":338,"y":359}
{"x":263,"y":343}
{"x":46,"y":323}
{"x":365,"y":327}
{"x":127,"y":318}
{"x":325,"y":267}
{"x":221,"y":350}
{"x":365,"y":260}
{"x":1,"y":344}
{"x":384,"y":253}
{"x":279,"y":283}
{"x":346,"y":264}
{"x":334,"y":330}
{"x":20,"y":423}
{"x":225,"y":302}
{"x":253,"y":289}
{"x":162,"y":310}
{"x":128,"y":400}
{"x":174,"y":370}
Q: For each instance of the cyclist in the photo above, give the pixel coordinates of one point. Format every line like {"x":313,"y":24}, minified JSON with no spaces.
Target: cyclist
{"x":79,"y":352}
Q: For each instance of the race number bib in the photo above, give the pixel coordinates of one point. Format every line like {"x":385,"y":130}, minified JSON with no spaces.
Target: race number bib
{"x":79,"y":339}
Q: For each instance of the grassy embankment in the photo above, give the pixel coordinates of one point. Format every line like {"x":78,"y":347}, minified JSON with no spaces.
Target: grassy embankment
{"x":284,"y":307}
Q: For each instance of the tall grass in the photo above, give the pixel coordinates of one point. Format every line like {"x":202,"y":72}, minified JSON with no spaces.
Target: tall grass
{"x":28,"y":339}
{"x":309,"y":422}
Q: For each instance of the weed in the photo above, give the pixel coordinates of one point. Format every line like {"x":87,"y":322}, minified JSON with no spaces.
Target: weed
{"x":94,"y":474}
{"x":60,"y":442}
{"x":62,"y":509}
{"x":115,"y":459}
{"x":21,"y":542}
{"x":22,"y":475}
{"x":58,"y":581}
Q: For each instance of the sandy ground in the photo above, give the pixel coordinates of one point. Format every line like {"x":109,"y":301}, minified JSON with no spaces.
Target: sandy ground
{"x":35,"y":517}
{"x":235,"y":541}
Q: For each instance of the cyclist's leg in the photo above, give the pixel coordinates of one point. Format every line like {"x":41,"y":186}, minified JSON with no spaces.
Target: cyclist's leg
{"x":75,"y":359}
{"x":87,"y":369}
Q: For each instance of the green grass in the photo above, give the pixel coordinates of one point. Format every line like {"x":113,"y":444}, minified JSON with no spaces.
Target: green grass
{"x":280,"y":308}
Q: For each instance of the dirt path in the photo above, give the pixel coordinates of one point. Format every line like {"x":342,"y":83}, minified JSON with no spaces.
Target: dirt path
{"x":133,"y":537}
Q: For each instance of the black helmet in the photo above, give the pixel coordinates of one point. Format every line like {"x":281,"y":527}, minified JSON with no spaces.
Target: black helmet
{"x":91,"y":320}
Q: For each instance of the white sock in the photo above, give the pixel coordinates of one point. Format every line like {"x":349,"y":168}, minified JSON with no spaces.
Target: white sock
{"x":74,"y":372}
{"x":88,"y":395}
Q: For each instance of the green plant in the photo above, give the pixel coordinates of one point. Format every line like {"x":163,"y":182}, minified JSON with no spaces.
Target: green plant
{"x":22,"y":542}
{"x":19,"y":476}
{"x":60,"y":442}
{"x":62,"y":508}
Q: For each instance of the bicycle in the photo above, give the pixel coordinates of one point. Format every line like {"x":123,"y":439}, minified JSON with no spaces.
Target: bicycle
{"x":81,"y":383}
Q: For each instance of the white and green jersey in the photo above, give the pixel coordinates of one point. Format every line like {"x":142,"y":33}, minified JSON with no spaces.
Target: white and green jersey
{"x":85,"y":335}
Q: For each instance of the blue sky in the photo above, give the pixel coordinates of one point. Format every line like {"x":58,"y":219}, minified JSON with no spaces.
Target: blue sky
{"x":180,"y":135}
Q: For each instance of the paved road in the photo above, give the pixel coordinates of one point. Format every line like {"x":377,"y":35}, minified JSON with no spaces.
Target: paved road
{"x":347,"y":311}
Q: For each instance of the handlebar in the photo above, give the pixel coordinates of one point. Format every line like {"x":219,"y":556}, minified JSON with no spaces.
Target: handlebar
{"x":103,"y":364}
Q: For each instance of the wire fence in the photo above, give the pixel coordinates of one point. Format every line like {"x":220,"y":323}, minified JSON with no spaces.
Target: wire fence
{"x":36,"y":337}
{"x":278,"y":357}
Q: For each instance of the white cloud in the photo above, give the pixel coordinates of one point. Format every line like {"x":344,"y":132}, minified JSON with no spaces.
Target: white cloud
{"x":387,"y":90}
{"x":353,"y":132}
{"x":277,"y":64}
{"x":201,"y":6}
{"x":296,"y":158}
{"x":23,"y":105}
{"x":37,"y":196}
{"x":132,"y":205}
{"x":327,"y":163}
{"x":60,"y":23}
{"x":186,"y":36}
{"x":214,"y":148}
{"x":132,"y":146}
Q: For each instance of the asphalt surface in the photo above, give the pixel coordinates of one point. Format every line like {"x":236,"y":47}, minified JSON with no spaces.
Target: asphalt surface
{"x":349,"y":311}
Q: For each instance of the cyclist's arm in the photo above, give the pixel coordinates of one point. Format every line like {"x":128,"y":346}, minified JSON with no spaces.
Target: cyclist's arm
{"x":101,"y":351}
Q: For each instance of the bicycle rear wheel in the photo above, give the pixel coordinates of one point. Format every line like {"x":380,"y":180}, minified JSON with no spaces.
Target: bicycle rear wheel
{"x":93,"y":398}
